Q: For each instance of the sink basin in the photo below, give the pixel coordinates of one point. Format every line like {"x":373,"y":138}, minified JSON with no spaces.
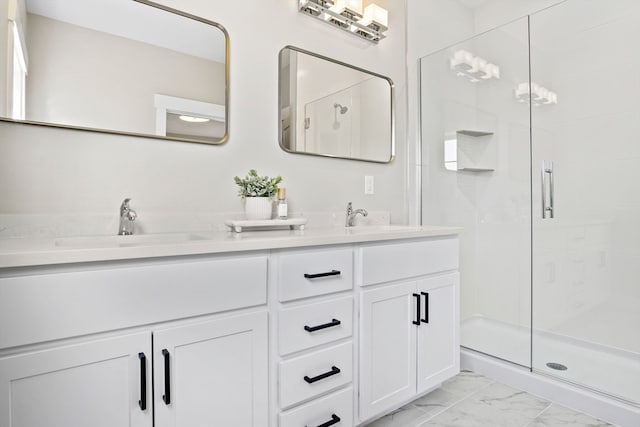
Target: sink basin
{"x":126,"y":241}
{"x":379,"y":228}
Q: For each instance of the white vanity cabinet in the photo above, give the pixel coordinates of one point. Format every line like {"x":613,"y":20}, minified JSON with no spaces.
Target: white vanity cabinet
{"x":213,"y":373}
{"x":409,"y":334}
{"x":329,"y":331}
{"x":208,"y":367}
{"x":101,"y":383}
{"x":314,"y":326}
{"x":108,"y":382}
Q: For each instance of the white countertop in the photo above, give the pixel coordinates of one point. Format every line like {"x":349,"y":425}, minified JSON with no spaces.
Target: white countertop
{"x":23,"y":252}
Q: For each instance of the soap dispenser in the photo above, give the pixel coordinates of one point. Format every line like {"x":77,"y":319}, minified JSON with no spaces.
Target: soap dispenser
{"x":282,"y":204}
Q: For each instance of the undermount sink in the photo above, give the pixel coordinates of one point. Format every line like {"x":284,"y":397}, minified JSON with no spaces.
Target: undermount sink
{"x":378,"y":228}
{"x":126,"y":241}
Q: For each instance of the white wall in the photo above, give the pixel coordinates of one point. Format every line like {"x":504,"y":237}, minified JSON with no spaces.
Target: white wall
{"x":4,"y":32}
{"x":45,"y":170}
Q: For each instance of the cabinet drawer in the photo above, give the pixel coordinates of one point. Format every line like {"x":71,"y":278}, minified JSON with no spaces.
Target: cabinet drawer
{"x":389,"y":262}
{"x":322,"y":410}
{"x":115,"y":297}
{"x":308,"y":376}
{"x":310,"y":325}
{"x":304,"y":274}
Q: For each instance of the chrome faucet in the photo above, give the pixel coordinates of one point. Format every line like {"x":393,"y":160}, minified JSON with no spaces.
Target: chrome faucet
{"x":351,"y":214}
{"x":127,"y":218}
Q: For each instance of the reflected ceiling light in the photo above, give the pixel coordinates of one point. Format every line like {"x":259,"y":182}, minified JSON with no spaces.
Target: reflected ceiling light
{"x":193,"y":119}
{"x":465,"y":64}
{"x":348,"y":15}
{"x":539,"y":95}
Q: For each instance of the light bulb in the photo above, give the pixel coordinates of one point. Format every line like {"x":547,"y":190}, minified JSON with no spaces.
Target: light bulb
{"x":348,"y":7}
{"x":376,"y":16}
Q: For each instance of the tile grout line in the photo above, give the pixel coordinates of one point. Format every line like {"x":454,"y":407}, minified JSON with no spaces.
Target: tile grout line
{"x":538,"y":416}
{"x":549,"y":403}
{"x":465,"y":397}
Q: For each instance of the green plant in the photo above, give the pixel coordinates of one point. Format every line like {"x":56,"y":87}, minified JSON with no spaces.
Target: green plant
{"x":257,"y":186}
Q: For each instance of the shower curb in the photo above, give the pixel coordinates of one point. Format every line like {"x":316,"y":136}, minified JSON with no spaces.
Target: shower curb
{"x":596,"y":405}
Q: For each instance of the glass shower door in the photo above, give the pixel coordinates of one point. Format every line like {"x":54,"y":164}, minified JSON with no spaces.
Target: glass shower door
{"x":476,"y":167}
{"x":585,"y":87}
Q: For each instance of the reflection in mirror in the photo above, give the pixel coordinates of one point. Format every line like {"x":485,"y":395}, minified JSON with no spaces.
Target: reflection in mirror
{"x":329,"y":108}
{"x":121,"y":66}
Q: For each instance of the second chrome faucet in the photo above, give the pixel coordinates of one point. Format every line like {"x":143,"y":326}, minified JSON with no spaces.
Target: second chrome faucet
{"x":351,"y":214}
{"x":127,"y":219}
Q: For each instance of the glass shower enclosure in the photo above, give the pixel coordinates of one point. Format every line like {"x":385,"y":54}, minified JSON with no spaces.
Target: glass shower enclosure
{"x":530,"y":142}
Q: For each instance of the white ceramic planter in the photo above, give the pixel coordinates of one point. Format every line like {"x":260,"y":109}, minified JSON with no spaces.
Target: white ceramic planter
{"x":258,"y":207}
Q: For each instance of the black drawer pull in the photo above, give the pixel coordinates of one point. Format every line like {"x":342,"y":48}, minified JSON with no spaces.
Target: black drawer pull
{"x":315,"y":276}
{"x":333,"y":371}
{"x":426,"y":307}
{"x":166,"y":398}
{"x":417,"y":321}
{"x":334,"y":420}
{"x":143,"y":382}
{"x":334,"y":322}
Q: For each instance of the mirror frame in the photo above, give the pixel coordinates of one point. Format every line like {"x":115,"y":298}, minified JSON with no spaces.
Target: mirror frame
{"x":222,"y":140}
{"x":392,"y":155}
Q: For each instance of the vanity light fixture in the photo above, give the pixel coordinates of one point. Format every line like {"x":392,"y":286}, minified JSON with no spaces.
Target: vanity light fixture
{"x":348,"y":16}
{"x":375,"y":17}
{"x":351,"y":9}
{"x":476,"y":69}
{"x":539,"y":95}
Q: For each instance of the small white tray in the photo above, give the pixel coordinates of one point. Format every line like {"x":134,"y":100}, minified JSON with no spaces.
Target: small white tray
{"x":238,"y":224}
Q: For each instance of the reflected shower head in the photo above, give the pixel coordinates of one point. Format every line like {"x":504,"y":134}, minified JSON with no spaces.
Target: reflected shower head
{"x":342,"y":108}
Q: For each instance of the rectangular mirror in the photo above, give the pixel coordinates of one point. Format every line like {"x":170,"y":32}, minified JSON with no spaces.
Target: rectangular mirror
{"x":328,"y":108}
{"x":120,"y":66}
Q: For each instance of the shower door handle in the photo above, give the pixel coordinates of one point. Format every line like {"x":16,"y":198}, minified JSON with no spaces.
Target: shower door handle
{"x":547,"y":170}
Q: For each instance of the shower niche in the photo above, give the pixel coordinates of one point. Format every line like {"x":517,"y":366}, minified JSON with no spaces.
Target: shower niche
{"x":470,"y":151}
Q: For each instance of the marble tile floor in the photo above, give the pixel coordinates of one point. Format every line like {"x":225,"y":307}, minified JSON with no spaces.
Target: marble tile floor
{"x":471,"y":400}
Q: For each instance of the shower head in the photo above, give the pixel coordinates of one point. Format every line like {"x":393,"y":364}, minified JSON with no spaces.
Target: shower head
{"x":342,"y":108}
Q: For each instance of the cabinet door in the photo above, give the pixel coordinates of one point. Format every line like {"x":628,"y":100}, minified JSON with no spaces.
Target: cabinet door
{"x":212,"y":373}
{"x":387,"y":348}
{"x":438,"y":334}
{"x":97,"y":383}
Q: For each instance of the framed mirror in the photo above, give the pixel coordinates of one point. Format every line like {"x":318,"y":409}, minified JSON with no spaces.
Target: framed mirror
{"x":129,"y":67}
{"x":329,"y":108}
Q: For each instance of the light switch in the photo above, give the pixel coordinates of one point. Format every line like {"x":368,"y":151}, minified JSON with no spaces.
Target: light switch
{"x":368,"y":184}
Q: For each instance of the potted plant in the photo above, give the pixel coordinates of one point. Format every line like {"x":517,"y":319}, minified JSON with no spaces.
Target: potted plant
{"x":258,"y":193}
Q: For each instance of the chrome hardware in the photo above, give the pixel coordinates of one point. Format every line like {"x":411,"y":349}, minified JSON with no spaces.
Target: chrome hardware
{"x":351,"y":214}
{"x":547,"y":169}
{"x":341,"y":108}
{"x":127,"y":219}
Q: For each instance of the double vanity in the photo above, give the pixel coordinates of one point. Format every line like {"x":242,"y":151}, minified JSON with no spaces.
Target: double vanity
{"x":319,"y":327}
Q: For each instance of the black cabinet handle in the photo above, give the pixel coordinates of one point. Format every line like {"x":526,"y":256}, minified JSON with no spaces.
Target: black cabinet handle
{"x":334,"y":322}
{"x":417,"y":321}
{"x":143,"y":382}
{"x":333,"y":371}
{"x":334,"y":420}
{"x":315,"y":276}
{"x":426,"y":307}
{"x":166,"y":397}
